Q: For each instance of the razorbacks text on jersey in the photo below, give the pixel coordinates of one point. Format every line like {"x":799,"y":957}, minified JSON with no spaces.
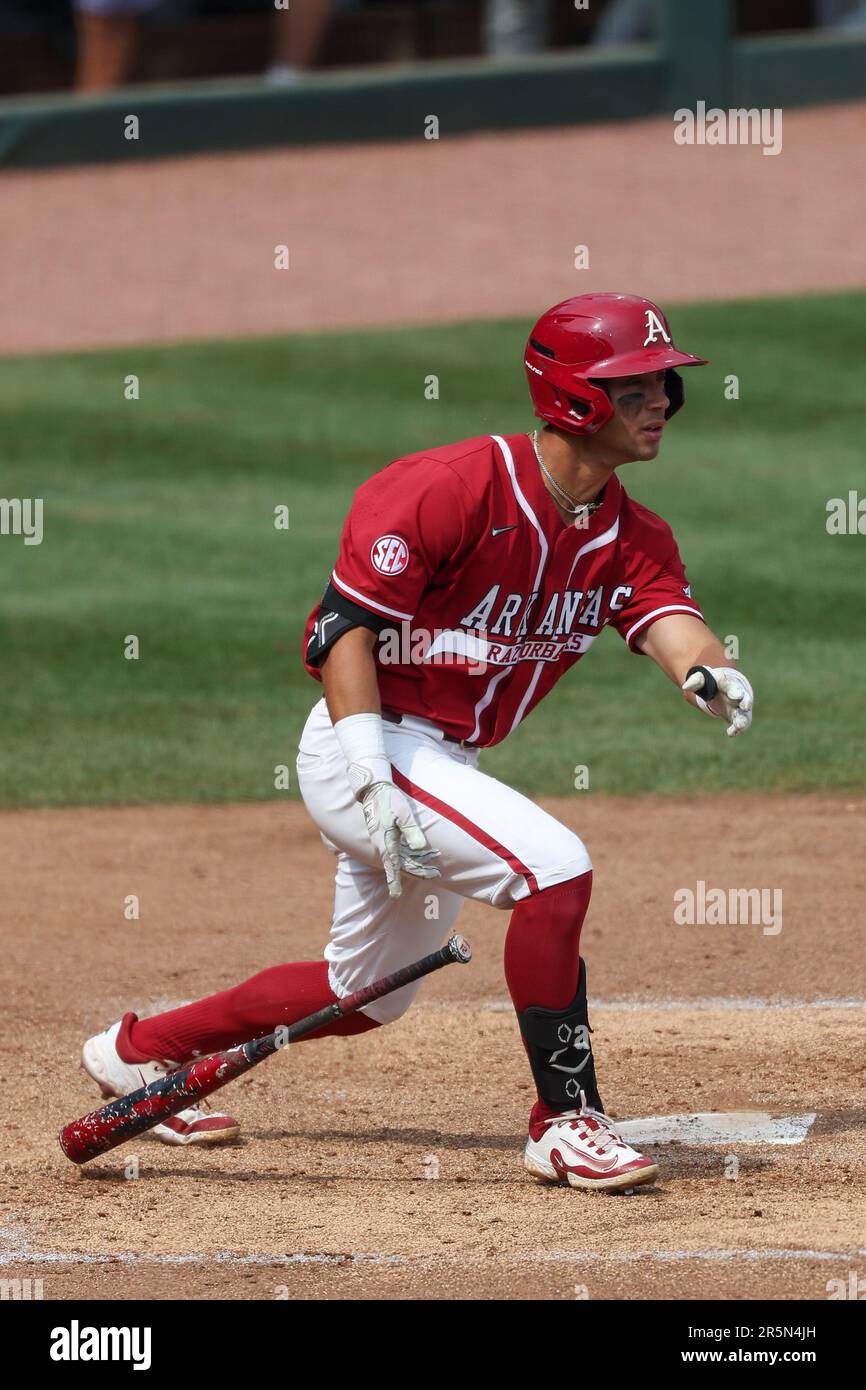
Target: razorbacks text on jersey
{"x":483,"y":597}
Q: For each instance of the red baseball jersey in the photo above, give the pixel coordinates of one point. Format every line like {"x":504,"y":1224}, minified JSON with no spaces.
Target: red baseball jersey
{"x":482,"y":596}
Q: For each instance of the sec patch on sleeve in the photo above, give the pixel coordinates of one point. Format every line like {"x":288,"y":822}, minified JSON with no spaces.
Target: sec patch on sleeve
{"x":389,"y":555}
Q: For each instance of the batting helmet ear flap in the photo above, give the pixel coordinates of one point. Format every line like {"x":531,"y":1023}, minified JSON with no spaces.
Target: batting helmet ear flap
{"x":675,"y":392}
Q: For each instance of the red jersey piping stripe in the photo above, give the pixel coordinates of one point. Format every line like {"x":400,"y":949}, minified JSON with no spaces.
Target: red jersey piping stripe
{"x":443,"y":809}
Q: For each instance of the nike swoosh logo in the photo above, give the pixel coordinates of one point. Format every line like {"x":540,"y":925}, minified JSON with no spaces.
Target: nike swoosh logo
{"x":595,"y":1165}
{"x":602,"y":1163}
{"x":498,"y":530}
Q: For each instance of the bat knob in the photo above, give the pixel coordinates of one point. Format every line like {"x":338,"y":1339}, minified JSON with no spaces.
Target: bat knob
{"x":460,"y":949}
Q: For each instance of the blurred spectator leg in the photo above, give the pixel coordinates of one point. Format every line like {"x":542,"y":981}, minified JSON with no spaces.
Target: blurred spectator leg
{"x":512,"y":27}
{"x":847,"y":15}
{"x":297,"y":35}
{"x":106,"y":50}
{"x":624,"y":21}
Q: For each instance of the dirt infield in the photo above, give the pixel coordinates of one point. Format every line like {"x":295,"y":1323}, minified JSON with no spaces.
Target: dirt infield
{"x":423,"y":231}
{"x":389,"y":1165}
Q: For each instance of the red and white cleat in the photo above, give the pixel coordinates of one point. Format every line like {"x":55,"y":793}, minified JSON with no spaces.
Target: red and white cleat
{"x":115,"y":1077}
{"x":581,"y":1148}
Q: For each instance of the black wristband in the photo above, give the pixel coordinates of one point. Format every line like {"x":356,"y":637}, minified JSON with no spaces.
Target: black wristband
{"x":711,"y":689}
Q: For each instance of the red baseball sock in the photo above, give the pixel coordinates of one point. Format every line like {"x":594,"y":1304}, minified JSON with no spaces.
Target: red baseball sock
{"x":542,"y":953}
{"x":282,"y":994}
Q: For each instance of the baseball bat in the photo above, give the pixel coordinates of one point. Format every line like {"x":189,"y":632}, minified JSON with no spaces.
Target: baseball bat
{"x":138,"y":1112}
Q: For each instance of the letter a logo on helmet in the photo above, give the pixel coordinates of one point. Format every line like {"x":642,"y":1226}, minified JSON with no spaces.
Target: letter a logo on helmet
{"x":655,"y":329}
{"x":583,"y":342}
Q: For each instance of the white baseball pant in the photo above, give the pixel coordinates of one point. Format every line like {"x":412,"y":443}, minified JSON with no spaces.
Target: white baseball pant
{"x":494,"y":845}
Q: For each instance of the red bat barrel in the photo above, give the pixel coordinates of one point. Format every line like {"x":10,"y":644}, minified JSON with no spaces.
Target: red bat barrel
{"x":138,"y":1112}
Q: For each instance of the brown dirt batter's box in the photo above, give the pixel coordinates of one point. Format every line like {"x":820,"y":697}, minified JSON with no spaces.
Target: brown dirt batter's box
{"x":333,"y":1192}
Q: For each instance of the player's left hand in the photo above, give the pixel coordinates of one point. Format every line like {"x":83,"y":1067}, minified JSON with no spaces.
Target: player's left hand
{"x":399,"y":839}
{"x":723,"y":691}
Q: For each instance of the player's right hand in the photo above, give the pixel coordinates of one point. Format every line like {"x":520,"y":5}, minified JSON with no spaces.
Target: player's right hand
{"x":722,"y":690}
{"x":398,"y":838}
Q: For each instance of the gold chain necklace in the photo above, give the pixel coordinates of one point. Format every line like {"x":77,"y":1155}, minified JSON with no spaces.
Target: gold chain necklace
{"x":574,"y":508}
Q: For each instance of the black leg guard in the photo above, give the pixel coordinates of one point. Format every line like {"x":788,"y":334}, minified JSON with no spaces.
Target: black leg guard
{"x":560,"y":1052}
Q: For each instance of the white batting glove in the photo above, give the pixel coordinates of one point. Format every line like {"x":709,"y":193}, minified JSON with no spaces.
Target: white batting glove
{"x":726,"y":693}
{"x":399,"y":840}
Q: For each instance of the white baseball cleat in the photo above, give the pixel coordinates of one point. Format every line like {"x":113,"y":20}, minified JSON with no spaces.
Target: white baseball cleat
{"x":583,"y":1149}
{"x":115,"y":1077}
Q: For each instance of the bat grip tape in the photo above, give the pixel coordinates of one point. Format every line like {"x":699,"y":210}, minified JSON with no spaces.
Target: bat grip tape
{"x":351,"y":1003}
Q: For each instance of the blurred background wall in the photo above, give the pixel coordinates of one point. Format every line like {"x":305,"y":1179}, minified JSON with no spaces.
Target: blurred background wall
{"x":45,"y":43}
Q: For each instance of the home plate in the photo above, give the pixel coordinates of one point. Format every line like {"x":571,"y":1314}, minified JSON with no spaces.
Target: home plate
{"x":728,"y":1127}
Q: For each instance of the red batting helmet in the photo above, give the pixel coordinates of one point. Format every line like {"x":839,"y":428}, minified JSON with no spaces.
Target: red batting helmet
{"x":590,"y":338}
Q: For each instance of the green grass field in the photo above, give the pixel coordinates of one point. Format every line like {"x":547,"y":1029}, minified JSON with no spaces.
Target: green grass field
{"x":159,"y":523}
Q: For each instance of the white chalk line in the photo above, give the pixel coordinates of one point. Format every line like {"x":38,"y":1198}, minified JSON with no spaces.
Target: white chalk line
{"x":703,"y":1004}
{"x":721,"y":1004}
{"x":17,"y":1250}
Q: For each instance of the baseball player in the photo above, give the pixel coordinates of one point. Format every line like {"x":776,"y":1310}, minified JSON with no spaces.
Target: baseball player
{"x":469,"y":579}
